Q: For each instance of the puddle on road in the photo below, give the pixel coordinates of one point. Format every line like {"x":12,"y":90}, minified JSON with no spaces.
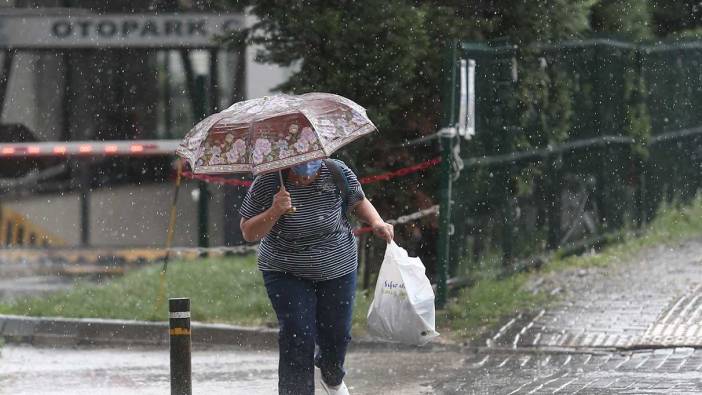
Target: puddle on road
{"x":61,"y":371}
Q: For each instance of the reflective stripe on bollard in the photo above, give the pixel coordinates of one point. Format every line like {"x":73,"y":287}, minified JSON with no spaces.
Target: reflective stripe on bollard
{"x":179,"y":330}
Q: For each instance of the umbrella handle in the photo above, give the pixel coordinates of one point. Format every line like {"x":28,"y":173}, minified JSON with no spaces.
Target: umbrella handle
{"x":292,"y":209}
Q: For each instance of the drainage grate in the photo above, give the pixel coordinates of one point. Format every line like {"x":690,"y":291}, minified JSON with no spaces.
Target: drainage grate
{"x":680,"y":325}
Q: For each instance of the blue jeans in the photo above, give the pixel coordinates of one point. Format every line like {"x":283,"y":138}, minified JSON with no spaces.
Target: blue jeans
{"x":311,"y":312}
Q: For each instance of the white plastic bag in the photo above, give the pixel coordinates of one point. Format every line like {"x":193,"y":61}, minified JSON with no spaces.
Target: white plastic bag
{"x":403,"y":304}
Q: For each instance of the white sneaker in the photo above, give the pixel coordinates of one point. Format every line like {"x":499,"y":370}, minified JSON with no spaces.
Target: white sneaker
{"x":338,"y":390}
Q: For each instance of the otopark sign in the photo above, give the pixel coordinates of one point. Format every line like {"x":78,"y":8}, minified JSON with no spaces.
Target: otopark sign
{"x":117,"y":30}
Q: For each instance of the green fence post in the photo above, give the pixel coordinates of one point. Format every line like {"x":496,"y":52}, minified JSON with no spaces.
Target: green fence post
{"x":554,"y":201}
{"x":447,"y":135}
{"x":444,"y":220}
{"x":507,"y":221}
{"x":640,"y":193}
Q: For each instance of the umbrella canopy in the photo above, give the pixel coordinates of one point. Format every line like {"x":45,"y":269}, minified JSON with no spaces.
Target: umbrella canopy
{"x":273,"y":132}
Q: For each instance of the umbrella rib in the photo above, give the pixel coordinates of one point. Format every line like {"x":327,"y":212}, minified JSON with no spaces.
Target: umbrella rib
{"x":369,"y":128}
{"x":314,"y":128}
{"x":250,"y":143}
{"x":186,"y":152}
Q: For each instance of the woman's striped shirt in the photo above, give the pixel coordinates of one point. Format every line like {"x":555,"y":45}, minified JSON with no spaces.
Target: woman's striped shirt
{"x":316,"y":241}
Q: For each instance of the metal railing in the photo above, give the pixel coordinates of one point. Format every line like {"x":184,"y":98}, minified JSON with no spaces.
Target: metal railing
{"x":575,"y":142}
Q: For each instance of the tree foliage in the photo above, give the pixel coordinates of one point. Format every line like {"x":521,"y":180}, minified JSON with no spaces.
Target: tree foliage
{"x":675,"y":16}
{"x":366,"y":50}
{"x":629,"y":19}
{"x":388,"y":56}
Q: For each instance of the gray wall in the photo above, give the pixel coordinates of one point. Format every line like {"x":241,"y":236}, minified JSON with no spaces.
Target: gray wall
{"x":124,"y":216}
{"x":34,"y":94}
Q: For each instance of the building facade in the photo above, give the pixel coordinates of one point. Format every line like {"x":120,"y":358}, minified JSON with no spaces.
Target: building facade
{"x":120,"y":70}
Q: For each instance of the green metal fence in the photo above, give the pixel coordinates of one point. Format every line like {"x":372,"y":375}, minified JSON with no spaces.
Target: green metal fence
{"x":575,"y":142}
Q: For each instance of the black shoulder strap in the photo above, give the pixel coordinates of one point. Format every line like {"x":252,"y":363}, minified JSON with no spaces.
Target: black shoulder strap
{"x":341,"y":182}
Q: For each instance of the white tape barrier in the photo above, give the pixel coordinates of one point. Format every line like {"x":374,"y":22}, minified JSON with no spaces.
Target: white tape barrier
{"x":237,"y":250}
{"x":414,"y":216}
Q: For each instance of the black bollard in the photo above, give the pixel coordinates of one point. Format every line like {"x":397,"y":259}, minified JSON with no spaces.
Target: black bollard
{"x":179,"y":329}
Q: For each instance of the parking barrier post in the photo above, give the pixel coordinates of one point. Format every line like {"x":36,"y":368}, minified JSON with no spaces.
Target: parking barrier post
{"x":180,"y":344}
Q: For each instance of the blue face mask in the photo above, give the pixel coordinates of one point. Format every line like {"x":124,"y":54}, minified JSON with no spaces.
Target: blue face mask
{"x":307,"y":169}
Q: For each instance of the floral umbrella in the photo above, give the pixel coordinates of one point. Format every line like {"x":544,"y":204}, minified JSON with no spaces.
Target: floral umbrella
{"x":273,"y":132}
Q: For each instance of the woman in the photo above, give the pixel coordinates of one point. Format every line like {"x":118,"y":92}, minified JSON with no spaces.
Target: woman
{"x":309,"y":259}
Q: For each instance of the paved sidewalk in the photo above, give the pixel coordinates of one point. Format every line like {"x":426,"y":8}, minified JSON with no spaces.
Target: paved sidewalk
{"x":654,"y":300}
{"x":662,"y":371}
{"x":630,"y":328}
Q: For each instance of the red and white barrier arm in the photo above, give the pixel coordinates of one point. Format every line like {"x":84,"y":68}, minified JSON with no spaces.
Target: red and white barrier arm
{"x":89,"y":148}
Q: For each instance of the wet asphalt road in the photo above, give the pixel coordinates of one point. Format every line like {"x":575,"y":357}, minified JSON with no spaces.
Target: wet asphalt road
{"x":107,"y":371}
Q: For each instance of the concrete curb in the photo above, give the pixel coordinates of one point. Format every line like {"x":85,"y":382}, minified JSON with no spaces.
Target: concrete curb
{"x":60,"y":331}
{"x":81,"y":331}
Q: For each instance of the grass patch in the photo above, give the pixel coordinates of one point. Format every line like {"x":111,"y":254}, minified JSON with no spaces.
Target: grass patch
{"x":230,"y":290}
{"x":222,"y":290}
{"x":476,"y":310}
{"x":673,"y":224}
